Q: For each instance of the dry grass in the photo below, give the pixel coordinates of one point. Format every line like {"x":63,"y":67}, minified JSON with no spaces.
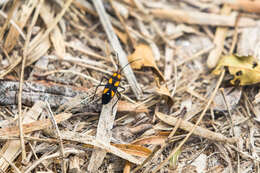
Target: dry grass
{"x":174,"y":115}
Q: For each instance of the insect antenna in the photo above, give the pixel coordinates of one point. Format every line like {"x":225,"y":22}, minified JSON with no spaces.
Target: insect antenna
{"x":120,"y":70}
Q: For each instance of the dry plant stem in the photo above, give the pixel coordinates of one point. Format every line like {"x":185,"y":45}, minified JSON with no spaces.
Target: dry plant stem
{"x":219,"y":40}
{"x":53,"y":24}
{"x":87,"y":52}
{"x":12,"y":148}
{"x":158,"y":150}
{"x":22,"y":79}
{"x":147,"y":159}
{"x":104,"y":134}
{"x":11,"y":163}
{"x":70,"y":71}
{"x":117,"y":48}
{"x":196,"y":55}
{"x":244,"y":153}
{"x":8,"y":19}
{"x":234,"y":40}
{"x":123,"y":23}
{"x":201,"y":18}
{"x":193,"y":128}
{"x":245,"y":5}
{"x":228,"y":108}
{"x":33,"y":126}
{"x":90,"y":140}
{"x":11,"y":67}
{"x":14,"y":24}
{"x":58,"y":135}
{"x":39,"y":161}
{"x":20,"y":111}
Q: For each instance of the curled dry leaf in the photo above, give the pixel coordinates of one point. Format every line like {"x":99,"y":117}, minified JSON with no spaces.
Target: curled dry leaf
{"x":244,"y":69}
{"x":163,"y":91}
{"x":144,"y":54}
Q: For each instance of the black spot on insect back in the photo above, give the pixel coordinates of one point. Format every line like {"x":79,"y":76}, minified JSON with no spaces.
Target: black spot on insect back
{"x":106,"y":97}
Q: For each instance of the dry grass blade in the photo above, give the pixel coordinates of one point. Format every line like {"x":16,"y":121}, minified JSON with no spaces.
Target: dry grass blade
{"x":194,"y":126}
{"x":37,"y":162}
{"x":11,"y":164}
{"x":21,"y":17}
{"x":202,"y":132}
{"x":33,"y":126}
{"x":158,"y":150}
{"x":201,"y":18}
{"x":54,"y":123}
{"x":104,"y":134}
{"x":22,"y":79}
{"x":15,"y":25}
{"x":245,"y":5}
{"x":52,"y":26}
{"x":12,"y":148}
{"x":90,"y":140}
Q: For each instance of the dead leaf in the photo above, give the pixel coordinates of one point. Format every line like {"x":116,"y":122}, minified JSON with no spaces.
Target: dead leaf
{"x":244,"y":69}
{"x":136,"y":150}
{"x":158,"y":139}
{"x":164,"y":91}
{"x":144,"y":53}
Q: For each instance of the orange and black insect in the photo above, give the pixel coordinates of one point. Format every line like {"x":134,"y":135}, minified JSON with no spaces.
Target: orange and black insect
{"x":113,"y":83}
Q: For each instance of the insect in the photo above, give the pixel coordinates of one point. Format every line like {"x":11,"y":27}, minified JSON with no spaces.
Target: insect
{"x":111,"y":88}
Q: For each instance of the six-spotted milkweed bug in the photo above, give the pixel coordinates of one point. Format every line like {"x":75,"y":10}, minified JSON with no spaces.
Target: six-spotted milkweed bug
{"x":111,"y":87}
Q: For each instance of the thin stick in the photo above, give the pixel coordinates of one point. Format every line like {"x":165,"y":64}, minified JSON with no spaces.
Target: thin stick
{"x":58,"y":135}
{"x":219,"y":40}
{"x":234,"y":40}
{"x":11,"y":163}
{"x":22,"y":79}
{"x":193,"y":128}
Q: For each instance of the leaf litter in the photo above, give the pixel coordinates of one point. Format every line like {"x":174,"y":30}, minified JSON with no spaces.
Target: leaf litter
{"x":166,"y":119}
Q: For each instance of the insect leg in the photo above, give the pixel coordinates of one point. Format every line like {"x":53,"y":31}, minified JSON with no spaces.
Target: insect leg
{"x":118,"y":98}
{"x":122,"y":88}
{"x":99,"y":85}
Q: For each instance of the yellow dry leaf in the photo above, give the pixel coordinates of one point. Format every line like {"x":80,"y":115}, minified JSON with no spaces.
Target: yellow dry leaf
{"x":145,"y":57}
{"x":244,"y":69}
